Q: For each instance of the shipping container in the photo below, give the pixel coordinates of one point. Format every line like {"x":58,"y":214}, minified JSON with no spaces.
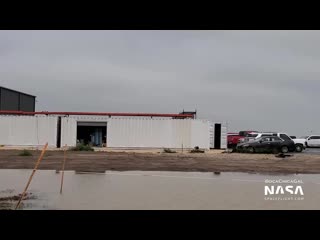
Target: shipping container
{"x":28,"y":130}
{"x":140,"y":132}
{"x":114,"y":132}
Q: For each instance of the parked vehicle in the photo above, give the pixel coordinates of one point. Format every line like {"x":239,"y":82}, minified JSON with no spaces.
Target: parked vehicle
{"x":299,"y":142}
{"x":245,"y":133}
{"x":272,"y":144}
{"x":234,"y":138}
{"x":255,"y":135}
{"x":312,"y":141}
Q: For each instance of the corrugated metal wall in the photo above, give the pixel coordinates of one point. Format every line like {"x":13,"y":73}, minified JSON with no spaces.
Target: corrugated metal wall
{"x":157,"y":133}
{"x":121,"y":132}
{"x":16,"y":101}
{"x":9,"y":100}
{"x":224,"y":132}
{"x":211,"y":133}
{"x":181,"y":134}
{"x":147,"y":132}
{"x":68,"y":131}
{"x":27,"y":103}
{"x":200,"y":135}
{"x":28,"y":130}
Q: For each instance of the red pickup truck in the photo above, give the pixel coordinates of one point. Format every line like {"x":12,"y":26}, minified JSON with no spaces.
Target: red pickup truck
{"x":234,"y":138}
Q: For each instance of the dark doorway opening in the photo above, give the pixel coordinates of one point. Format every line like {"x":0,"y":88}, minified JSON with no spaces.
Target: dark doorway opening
{"x":94,"y":134}
{"x":217,"y":136}
{"x":59,"y":133}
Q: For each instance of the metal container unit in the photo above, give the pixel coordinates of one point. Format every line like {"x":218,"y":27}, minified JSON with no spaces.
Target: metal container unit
{"x":142,"y":132}
{"x":115,"y":132}
{"x":28,"y":130}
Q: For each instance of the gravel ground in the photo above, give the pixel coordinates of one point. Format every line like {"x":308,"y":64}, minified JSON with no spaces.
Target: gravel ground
{"x":186,"y":162}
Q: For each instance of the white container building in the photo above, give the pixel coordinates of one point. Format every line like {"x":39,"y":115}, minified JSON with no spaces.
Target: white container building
{"x":114,"y":132}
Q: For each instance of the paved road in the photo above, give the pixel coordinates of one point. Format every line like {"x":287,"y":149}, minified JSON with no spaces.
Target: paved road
{"x":312,"y":151}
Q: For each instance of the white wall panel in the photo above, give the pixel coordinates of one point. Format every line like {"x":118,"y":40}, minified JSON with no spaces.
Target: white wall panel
{"x":28,"y":130}
{"x":211,"y":132}
{"x":157,"y":133}
{"x":200,"y":135}
{"x":68,"y":131}
{"x":121,"y":132}
{"x":224,"y":136}
{"x":181,"y":133}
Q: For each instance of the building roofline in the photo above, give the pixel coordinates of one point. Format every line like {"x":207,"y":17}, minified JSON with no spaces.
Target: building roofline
{"x":97,"y":114}
{"x":12,"y":90}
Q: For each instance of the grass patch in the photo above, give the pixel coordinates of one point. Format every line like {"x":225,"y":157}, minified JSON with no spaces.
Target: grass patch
{"x":82,"y":147}
{"x":25,"y":153}
{"x":168,"y":150}
{"x":197,"y":151}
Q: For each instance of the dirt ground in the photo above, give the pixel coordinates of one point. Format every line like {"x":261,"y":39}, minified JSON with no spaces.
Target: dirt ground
{"x":124,"y":161}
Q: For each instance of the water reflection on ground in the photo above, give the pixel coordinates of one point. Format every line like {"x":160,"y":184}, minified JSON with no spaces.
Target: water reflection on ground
{"x":155,"y":190}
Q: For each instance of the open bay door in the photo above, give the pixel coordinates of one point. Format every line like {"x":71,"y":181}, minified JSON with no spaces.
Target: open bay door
{"x":94,"y":133}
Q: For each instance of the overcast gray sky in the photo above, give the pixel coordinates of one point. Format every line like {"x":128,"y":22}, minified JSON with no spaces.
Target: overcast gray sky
{"x":263,"y":80}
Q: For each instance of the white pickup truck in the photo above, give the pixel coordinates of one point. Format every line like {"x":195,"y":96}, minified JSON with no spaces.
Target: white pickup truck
{"x":300,"y":143}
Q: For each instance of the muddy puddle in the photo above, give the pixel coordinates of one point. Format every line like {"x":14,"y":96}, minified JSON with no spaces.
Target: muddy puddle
{"x":159,"y":190}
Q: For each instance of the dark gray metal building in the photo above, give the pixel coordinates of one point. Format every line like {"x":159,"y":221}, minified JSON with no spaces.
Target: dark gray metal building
{"x":12,"y":100}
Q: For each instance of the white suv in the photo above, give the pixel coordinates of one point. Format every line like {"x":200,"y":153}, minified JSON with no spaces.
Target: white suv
{"x":313,"y":141}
